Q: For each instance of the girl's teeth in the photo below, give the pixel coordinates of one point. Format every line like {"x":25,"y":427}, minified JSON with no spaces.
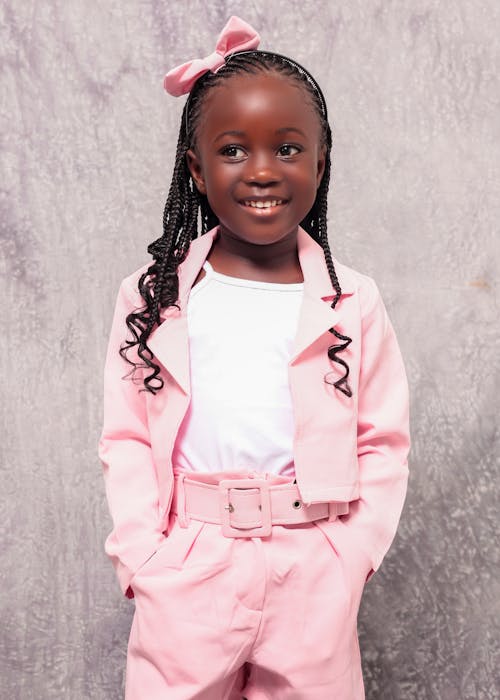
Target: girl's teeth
{"x":262,"y":205}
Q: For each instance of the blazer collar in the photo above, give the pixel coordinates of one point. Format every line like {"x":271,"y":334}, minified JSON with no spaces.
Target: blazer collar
{"x":316,"y":315}
{"x":311,"y":257}
{"x":170,"y":343}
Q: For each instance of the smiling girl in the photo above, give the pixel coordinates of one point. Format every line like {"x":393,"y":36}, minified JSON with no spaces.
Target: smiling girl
{"x":255,"y":456}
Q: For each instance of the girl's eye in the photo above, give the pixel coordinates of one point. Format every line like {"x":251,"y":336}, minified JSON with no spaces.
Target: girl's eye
{"x":232,"y":151}
{"x":287,"y":149}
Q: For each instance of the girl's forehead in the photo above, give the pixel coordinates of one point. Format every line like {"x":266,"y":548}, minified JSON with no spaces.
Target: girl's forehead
{"x":261,"y":97}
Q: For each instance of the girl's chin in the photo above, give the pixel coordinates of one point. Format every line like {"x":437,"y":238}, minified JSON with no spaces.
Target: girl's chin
{"x":259,"y":235}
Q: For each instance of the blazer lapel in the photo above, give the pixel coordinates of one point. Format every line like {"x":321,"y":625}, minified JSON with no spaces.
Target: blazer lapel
{"x":316,"y":315}
{"x":170,"y":341}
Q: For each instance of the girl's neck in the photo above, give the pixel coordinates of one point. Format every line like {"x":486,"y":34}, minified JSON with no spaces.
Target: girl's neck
{"x":272,"y":262}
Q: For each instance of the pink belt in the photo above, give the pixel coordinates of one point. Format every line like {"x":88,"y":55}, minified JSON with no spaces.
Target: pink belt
{"x":247,"y":507}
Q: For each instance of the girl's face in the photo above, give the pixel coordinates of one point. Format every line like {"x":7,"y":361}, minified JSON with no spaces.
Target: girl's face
{"x":258,"y":141}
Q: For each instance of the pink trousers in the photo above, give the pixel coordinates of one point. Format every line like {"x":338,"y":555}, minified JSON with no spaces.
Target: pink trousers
{"x":265,"y":618}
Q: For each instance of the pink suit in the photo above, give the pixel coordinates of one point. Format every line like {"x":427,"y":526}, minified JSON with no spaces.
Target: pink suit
{"x":345,"y":449}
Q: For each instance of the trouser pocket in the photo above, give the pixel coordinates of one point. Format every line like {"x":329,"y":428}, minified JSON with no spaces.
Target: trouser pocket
{"x":172,"y":553}
{"x":355,"y":563}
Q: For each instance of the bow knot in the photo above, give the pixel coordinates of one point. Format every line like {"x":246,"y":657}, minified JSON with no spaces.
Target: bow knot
{"x":214,"y":61}
{"x":237,"y":35}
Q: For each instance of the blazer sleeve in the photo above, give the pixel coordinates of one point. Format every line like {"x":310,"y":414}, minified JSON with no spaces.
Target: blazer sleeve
{"x":383,"y":435}
{"x":125,"y":452}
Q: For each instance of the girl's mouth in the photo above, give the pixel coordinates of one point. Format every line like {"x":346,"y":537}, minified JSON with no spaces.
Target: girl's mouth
{"x":263,"y":207}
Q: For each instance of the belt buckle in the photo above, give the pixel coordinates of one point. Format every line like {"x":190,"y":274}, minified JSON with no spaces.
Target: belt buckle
{"x":226,"y":507}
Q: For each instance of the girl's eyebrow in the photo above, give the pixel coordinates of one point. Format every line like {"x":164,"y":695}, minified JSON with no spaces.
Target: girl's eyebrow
{"x":229,"y":133}
{"x":290,"y":128}
{"x":282,"y":130}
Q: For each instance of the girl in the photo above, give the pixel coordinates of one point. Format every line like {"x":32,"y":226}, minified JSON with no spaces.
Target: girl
{"x":256,"y":464}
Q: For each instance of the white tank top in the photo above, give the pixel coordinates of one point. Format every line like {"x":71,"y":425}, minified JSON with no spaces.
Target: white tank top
{"x":240,"y":417}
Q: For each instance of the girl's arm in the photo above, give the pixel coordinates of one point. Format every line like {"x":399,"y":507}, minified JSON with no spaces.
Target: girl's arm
{"x":383,"y":435}
{"x":125,"y":453}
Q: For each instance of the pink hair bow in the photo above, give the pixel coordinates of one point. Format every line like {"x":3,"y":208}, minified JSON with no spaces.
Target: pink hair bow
{"x":237,"y":35}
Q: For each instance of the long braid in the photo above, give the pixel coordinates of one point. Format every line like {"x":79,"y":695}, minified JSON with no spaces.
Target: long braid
{"x":159,"y":285}
{"x":333,"y":350}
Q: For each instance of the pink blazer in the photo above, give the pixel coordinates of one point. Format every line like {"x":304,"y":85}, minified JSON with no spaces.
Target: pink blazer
{"x":351,"y":450}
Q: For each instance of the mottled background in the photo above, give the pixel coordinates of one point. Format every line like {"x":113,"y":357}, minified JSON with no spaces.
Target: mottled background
{"x":88,"y":138}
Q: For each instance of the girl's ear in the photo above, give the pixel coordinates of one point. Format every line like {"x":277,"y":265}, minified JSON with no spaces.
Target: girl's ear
{"x":321,"y":165}
{"x":194,"y":165}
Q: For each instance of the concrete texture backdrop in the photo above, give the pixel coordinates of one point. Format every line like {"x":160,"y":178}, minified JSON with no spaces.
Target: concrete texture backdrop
{"x":88,"y":138}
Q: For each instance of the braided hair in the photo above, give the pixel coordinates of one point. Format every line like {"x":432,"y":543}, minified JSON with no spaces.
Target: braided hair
{"x":186,"y":207}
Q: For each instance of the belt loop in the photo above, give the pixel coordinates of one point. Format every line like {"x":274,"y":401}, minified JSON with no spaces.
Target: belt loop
{"x":182,"y":516}
{"x":336,"y":508}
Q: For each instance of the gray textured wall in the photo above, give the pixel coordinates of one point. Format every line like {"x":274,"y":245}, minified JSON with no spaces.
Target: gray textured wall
{"x":88,"y":138}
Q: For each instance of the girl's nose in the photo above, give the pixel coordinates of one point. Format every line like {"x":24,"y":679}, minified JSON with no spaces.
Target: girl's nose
{"x":262,"y":171}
